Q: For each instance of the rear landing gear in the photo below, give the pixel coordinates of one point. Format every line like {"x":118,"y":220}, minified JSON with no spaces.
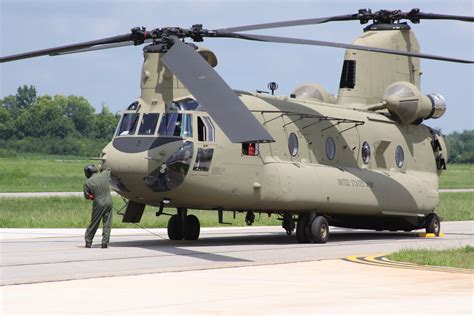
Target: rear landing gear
{"x":183,"y":226}
{"x":433,"y":224}
{"x":312,"y":229}
{"x":303,"y":229}
{"x":320,"y":230}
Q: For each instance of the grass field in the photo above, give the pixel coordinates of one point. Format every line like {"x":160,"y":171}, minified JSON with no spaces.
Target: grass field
{"x":42,"y":173}
{"x":455,"y":258}
{"x":457,"y":176}
{"x":33,"y":173}
{"x":456,"y":206}
{"x":70,"y":212}
{"x":62,"y":173}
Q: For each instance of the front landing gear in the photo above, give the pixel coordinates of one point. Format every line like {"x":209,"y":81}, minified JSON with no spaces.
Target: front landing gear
{"x":312,"y":229}
{"x":433,"y":224}
{"x":183,"y":226}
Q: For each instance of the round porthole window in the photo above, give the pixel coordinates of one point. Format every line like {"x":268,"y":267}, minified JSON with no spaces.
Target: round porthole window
{"x":330,"y":148}
{"x":366,"y":152}
{"x":293,"y":144}
{"x":399,"y":156}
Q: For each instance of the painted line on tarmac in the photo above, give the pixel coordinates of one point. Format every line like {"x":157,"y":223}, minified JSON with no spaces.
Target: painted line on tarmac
{"x":379,"y":260}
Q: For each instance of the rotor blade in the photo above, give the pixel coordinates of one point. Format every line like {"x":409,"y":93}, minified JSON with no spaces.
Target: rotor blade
{"x":348,"y":17}
{"x":290,"y":40}
{"x":67,"y":48}
{"x":364,"y":16}
{"x":99,"y":47}
{"x":211,"y":91}
{"x":434,"y":16}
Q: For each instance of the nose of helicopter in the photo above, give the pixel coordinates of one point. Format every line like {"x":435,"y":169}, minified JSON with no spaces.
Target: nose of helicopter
{"x":160,"y":165}
{"x":171,"y":173}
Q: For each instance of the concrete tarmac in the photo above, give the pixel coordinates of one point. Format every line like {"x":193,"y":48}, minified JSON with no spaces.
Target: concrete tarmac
{"x":251,"y":270}
{"x":328,"y":286}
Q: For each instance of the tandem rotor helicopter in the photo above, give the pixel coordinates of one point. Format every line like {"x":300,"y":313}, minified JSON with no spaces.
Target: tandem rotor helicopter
{"x":361,"y":159}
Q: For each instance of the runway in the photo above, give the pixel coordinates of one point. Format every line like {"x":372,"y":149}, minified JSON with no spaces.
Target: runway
{"x":38,"y":255}
{"x":215,"y":274}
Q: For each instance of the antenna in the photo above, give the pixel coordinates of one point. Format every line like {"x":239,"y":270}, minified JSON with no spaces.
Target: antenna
{"x":272,"y":86}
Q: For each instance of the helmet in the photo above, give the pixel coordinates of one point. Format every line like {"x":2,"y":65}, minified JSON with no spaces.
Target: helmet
{"x":89,"y":170}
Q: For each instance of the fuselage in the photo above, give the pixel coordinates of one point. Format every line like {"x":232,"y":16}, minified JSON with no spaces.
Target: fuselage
{"x":361,"y":160}
{"x":326,"y":157}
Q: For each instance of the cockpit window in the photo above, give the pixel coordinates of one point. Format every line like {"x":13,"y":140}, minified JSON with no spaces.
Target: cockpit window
{"x":128,"y":124}
{"x":206,"y":131}
{"x":133,"y":106}
{"x":176,"y":124}
{"x":185,"y":105}
{"x":148,"y":124}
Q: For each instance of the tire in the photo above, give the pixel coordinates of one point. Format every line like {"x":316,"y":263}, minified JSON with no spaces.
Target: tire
{"x":303,"y":229}
{"x":320,"y":230}
{"x":174,"y":228}
{"x":434,"y":225}
{"x":193,"y":228}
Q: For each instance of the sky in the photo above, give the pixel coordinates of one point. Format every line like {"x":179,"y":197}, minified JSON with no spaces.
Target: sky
{"x":112,"y":76}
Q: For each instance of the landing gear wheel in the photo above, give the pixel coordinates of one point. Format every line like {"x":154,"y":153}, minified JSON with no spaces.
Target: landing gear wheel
{"x":288,"y":224}
{"x":303,"y":229}
{"x":249,"y":218}
{"x":193,"y":228}
{"x":433,"y":224}
{"x":174,"y":228}
{"x":320,"y":230}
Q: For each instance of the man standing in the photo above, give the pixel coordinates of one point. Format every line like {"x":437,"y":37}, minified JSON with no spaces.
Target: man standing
{"x":96,"y":189}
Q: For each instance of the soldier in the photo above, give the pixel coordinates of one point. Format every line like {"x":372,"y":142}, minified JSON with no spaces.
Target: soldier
{"x":96,"y":188}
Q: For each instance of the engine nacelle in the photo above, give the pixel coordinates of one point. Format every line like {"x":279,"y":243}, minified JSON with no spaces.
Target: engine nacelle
{"x":439,"y":105}
{"x":313,"y":91}
{"x":208,"y":55}
{"x":409,"y":105}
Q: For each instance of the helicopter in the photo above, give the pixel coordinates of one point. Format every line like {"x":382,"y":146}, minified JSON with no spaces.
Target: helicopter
{"x":362,"y":159}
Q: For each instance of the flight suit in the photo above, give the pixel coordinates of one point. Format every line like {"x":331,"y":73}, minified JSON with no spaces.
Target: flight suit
{"x":96,"y":188}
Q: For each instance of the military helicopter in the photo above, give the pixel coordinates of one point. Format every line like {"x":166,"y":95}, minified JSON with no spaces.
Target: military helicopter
{"x":363,"y":159}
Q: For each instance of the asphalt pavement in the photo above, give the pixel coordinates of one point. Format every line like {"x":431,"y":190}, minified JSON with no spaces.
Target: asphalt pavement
{"x":227,"y":271}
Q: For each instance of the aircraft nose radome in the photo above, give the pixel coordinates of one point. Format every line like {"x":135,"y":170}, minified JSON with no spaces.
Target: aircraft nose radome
{"x":162,"y":167}
{"x":172,"y":172}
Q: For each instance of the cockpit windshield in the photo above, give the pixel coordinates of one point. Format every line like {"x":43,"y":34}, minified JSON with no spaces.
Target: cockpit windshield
{"x":128,"y":124}
{"x":185,"y":105}
{"x":176,"y":124}
{"x":148,"y":124}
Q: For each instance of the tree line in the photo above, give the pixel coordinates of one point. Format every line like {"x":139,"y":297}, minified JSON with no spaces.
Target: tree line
{"x":60,"y":125}
{"x":69,"y":125}
{"x":461,"y":147}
